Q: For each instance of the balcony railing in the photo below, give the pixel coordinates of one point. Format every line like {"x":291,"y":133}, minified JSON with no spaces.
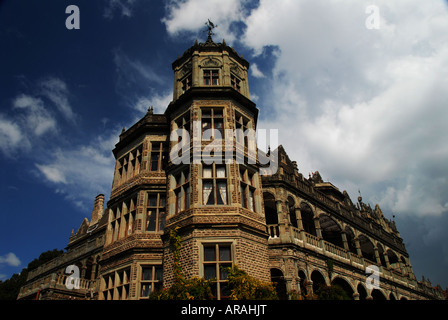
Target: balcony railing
{"x":331,"y":250}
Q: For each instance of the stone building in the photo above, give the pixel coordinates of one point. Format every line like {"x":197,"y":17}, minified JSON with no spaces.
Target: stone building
{"x":173,"y":172}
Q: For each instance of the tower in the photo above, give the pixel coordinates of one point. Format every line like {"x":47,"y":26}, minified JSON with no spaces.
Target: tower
{"x":214,"y":192}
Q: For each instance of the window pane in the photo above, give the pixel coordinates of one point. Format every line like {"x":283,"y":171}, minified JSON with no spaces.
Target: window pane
{"x":162,"y":218}
{"x":162,"y":201}
{"x":223,"y":271}
{"x":221,"y":197}
{"x":147,"y":273}
{"x":224,"y":253}
{"x":151,"y":220}
{"x":225,"y":290}
{"x":220,"y":172}
{"x":208,"y":192}
{"x":159,"y":274}
{"x":154,"y":161}
{"x":146,"y":290}
{"x":209,"y":271}
{"x":210,"y":253}
{"x":207,"y":172}
{"x":152,"y":200}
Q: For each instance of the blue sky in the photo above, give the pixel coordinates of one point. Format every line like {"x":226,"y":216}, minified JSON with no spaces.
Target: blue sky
{"x":366,"y":107}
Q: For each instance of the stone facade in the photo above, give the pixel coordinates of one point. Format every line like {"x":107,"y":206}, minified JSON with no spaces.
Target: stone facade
{"x":298,"y":232}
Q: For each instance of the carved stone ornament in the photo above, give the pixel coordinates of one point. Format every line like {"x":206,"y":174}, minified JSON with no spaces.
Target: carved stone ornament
{"x":211,"y":62}
{"x":186,"y":68}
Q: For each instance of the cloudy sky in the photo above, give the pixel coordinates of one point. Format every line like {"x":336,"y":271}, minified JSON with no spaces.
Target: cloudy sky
{"x":357,"y":90}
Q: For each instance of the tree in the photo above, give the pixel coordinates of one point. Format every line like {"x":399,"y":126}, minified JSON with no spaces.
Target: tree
{"x":242,"y":285}
{"x":9,"y":289}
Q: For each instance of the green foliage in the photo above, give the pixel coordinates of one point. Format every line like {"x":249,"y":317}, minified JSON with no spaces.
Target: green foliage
{"x":246,"y":287}
{"x":182,"y":289}
{"x":333,"y":292}
{"x":243,"y":286}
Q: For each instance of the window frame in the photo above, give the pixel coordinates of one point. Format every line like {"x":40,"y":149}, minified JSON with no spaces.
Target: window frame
{"x":154,"y":282}
{"x":159,"y":212}
{"x":215,"y":182}
{"x":212,"y":116}
{"x":218,"y":281}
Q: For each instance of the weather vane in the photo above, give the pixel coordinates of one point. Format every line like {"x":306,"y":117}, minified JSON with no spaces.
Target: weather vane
{"x":210,"y":25}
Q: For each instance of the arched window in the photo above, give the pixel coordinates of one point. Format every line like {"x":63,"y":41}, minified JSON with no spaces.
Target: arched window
{"x":270,"y":208}
{"x":367,"y":249}
{"x":280,"y":283}
{"x":292,"y":212}
{"x":331,"y":231}
{"x":350,"y":236}
{"x":307,"y":219}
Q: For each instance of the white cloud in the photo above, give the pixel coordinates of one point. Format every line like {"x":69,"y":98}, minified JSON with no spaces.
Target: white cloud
{"x":192,"y":15}
{"x":256,"y":72}
{"x":37,"y":119}
{"x":158,"y":101}
{"x":10,"y":259}
{"x":56,"y":90}
{"x":52,"y":174}
{"x":367,"y":108}
{"x":11,"y":136}
{"x":80,"y":172}
{"x":124,"y":7}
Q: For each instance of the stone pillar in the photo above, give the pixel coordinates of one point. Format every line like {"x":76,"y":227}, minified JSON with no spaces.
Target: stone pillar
{"x":300,"y":224}
{"x":98,"y":207}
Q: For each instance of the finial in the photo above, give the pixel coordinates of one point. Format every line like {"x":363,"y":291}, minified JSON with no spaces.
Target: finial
{"x":150,"y":110}
{"x":210,"y":26}
{"x":123,"y":130}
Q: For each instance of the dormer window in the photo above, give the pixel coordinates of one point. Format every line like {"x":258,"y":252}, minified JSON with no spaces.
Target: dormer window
{"x":211,"y":77}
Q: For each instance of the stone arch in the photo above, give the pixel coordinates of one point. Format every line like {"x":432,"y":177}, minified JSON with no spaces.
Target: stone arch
{"x":292,"y":211}
{"x":302,"y":282}
{"x":318,"y":280}
{"x":394,"y":261}
{"x":345,"y":285}
{"x":331,"y":230}
{"x":350,"y":236}
{"x":367,"y":248}
{"x":381,"y":254}
{"x":280,"y":283}
{"x":307,"y":215}
{"x":378,"y":294}
{"x":270,"y":208}
{"x":362,"y":292}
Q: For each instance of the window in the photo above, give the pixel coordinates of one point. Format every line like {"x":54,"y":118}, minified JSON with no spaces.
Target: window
{"x":247,"y":188}
{"x":116,"y":285}
{"x":242,"y":124}
{"x":155,"y":219}
{"x":212,"y":119}
{"x":122,"y":218}
{"x":216,"y":259}
{"x":129,"y":165}
{"x":183,"y":122}
{"x":211,"y":77}
{"x":186,"y":83}
{"x":151,"y":280}
{"x":214,"y":184}
{"x":235,"y":82}
{"x":182,"y":190}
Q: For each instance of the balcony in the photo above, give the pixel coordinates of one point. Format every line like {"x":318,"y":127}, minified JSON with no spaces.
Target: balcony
{"x":330,"y":250}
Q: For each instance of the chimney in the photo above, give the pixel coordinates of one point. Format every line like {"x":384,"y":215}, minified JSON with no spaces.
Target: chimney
{"x":97,"y":211}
